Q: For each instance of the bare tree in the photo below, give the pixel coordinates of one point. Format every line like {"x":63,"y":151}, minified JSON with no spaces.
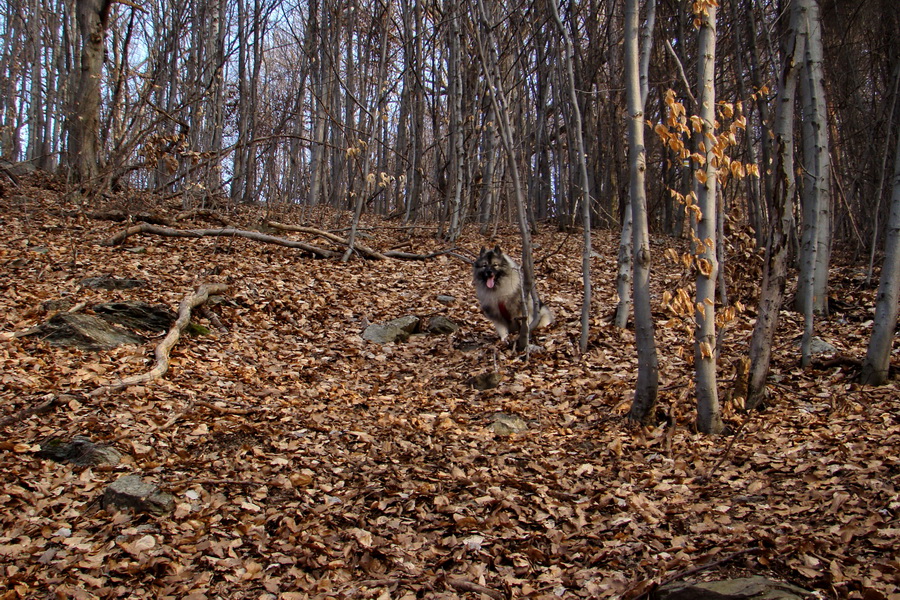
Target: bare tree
{"x":577,"y":126}
{"x":83,"y":122}
{"x":637,"y":89}
{"x":709,"y":419}
{"x":815,"y":246}
{"x":488,"y":57}
{"x":877,"y":363}
{"x":777,"y":244}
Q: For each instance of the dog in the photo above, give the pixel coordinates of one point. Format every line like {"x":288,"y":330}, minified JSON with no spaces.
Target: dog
{"x":498,"y":286}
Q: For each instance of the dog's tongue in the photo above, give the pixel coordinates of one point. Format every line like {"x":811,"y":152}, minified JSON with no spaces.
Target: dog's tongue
{"x":490,"y":282}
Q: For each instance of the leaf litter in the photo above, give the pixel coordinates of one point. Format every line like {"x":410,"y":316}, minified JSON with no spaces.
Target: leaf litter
{"x":306,"y":462}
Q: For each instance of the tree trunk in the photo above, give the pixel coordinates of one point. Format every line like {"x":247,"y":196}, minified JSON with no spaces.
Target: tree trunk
{"x":816,"y":198}
{"x":585,"y":184}
{"x":487,"y":53}
{"x":643,"y":405}
{"x":876,"y":365}
{"x":778,"y":239}
{"x":84,"y":121}
{"x":626,"y":253}
{"x":709,"y":419}
{"x":456,"y":150}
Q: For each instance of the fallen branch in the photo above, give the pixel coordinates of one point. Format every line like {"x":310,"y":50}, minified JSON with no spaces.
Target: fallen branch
{"x":51,"y":400}
{"x":362,"y":249}
{"x":463,"y":585}
{"x":224,"y":232}
{"x":165,"y":347}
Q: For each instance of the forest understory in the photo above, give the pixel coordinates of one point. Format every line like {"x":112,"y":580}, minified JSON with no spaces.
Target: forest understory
{"x":307,"y":462}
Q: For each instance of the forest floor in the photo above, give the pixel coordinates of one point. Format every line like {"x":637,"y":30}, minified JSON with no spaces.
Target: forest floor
{"x":306,"y":462}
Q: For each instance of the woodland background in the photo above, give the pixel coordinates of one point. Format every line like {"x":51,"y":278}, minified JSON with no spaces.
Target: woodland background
{"x":308,"y":462}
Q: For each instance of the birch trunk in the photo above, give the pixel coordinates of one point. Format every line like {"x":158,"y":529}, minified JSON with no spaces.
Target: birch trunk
{"x":878,"y":357}
{"x":709,"y":418}
{"x":585,"y":185}
{"x":643,"y":406}
{"x":812,"y":288}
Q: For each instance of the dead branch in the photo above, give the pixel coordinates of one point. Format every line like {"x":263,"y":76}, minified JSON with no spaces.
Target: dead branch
{"x":463,"y":585}
{"x":51,"y":400}
{"x":224,"y":232}
{"x":165,"y":347}
{"x":362,"y":249}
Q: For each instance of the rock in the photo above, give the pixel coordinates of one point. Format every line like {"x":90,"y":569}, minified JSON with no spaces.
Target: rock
{"x":439,"y":325}
{"x":136,"y":315}
{"x":446,"y":300}
{"x":397,"y":330}
{"x":748,"y":588}
{"x":111,"y":283}
{"x":82,"y":331}
{"x":484,"y":381}
{"x":818,"y":346}
{"x":130,"y":492}
{"x":504,"y":424}
{"x":57,"y":305}
{"x":80,"y":451}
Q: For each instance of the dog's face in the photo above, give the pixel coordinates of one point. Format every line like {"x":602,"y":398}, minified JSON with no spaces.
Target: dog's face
{"x":491,"y":267}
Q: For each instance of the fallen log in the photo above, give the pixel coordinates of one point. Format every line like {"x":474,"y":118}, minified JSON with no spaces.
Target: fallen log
{"x":165,"y":347}
{"x":224,"y":232}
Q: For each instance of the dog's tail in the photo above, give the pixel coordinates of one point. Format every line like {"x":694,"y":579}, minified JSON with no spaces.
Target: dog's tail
{"x":543,"y":316}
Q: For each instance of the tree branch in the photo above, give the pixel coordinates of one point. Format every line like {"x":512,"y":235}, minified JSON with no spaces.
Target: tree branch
{"x":165,"y":347}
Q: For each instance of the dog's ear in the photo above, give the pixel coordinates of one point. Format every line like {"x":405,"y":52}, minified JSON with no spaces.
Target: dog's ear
{"x":482,"y":252}
{"x":497,"y":250}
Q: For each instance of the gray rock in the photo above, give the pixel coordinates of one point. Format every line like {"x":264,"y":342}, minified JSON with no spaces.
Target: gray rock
{"x":818,"y":346}
{"x":111,"y":283}
{"x":136,"y":315}
{"x":505,"y":424}
{"x":484,"y":381}
{"x":748,"y":588}
{"x":446,"y":300}
{"x":81,"y":451}
{"x":130,"y":492}
{"x":397,"y":330}
{"x":440,"y":325}
{"x":82,"y":331}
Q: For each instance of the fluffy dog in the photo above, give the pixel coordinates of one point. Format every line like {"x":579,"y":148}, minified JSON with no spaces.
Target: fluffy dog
{"x":498,"y":285}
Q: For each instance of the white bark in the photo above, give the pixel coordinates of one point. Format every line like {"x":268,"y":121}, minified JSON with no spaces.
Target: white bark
{"x":709,"y":418}
{"x":646,"y":388}
{"x":878,"y":357}
{"x":585,"y":186}
{"x":816,"y":198}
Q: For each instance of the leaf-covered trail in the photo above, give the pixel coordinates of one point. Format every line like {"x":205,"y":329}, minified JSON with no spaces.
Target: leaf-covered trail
{"x":307,"y":462}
